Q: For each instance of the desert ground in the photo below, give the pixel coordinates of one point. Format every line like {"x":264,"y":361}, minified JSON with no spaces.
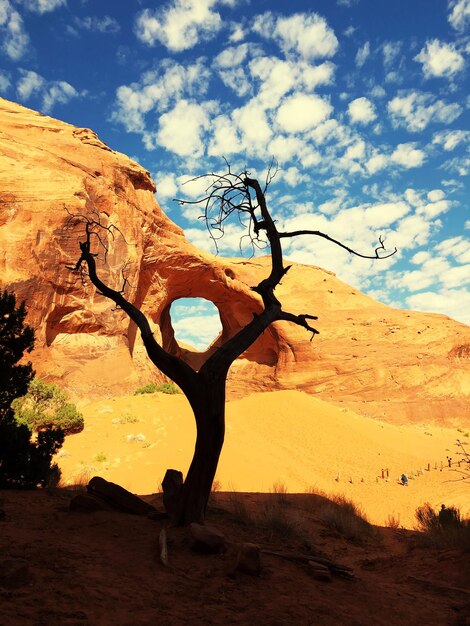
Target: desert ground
{"x":286,"y":456}
{"x":283,"y":439}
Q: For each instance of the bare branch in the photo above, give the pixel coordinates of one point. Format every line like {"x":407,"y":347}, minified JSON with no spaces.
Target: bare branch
{"x":300,"y":320}
{"x":317,"y":233}
{"x":175,"y":368}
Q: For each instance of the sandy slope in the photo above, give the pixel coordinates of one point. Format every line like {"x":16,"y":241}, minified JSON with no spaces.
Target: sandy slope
{"x":285,"y":436}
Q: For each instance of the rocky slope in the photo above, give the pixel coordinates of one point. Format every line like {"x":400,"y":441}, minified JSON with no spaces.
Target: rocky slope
{"x":392,"y":364}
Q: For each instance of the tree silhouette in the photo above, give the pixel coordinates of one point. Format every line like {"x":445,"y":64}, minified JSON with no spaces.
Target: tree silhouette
{"x":228,"y":195}
{"x":23,"y":463}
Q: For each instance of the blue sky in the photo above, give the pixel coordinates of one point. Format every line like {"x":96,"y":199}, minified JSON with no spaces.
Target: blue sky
{"x":364,"y":103}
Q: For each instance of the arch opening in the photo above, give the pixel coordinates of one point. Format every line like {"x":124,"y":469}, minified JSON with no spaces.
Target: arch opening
{"x":196,"y":323}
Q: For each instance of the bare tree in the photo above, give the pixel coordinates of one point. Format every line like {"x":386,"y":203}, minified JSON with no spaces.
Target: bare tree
{"x":228,"y":195}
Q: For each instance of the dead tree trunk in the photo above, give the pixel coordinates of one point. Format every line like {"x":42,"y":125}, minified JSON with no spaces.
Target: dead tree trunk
{"x":205,"y":389}
{"x":209,"y":413}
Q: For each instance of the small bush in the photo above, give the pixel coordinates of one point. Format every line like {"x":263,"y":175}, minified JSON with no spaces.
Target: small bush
{"x":393,"y":521}
{"x":443,"y":529}
{"x":46,"y":406}
{"x":153,"y":388}
{"x":100,"y":457}
{"x":25,"y":462}
{"x":279,"y":490}
{"x":150,"y":388}
{"x":239,"y":510}
{"x":278,"y":521}
{"x":346,"y":518}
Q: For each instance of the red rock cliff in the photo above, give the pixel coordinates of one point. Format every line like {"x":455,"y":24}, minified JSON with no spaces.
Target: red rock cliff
{"x":391,"y":364}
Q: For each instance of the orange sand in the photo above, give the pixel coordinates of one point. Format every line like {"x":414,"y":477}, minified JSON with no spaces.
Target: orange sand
{"x":283,"y":437}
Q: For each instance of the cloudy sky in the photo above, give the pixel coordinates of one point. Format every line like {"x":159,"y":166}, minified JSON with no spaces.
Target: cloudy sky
{"x":363,"y":103}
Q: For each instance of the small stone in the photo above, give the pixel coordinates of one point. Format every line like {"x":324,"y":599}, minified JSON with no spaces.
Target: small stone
{"x":248,"y":559}
{"x":206,"y":539}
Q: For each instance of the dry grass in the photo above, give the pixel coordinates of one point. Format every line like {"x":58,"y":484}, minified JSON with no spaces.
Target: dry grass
{"x":348,"y":520}
{"x":239,"y":510}
{"x":392,"y":521}
{"x":79,"y":483}
{"x":279,"y":522}
{"x":450,"y":531}
{"x":279,"y":491}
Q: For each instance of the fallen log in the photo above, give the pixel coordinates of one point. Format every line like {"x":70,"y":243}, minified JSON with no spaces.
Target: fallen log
{"x":335,"y":568}
{"x":117,"y":497}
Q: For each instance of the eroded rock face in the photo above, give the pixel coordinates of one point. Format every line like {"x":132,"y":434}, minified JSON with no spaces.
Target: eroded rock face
{"x":391,"y":364}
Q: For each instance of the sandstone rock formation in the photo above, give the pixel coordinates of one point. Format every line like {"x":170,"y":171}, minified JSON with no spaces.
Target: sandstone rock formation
{"x":392,"y":364}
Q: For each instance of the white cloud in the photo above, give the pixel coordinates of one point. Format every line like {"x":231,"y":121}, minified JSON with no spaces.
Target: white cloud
{"x":231,"y":56}
{"x":378,"y":91}
{"x":42,"y":6}
{"x":452,"y":302}
{"x":179,"y":25}
{"x":159,"y":89}
{"x":376,"y":163}
{"x":52,"y":92}
{"x":236,"y":80}
{"x":433,"y":209}
{"x":254,"y":127}
{"x":15,"y":40}
{"x":362,"y":54}
{"x":457,"y":247}
{"x":181,"y":129}
{"x":302,"y":112}
{"x":225,"y":139}
{"x":195,"y":330}
{"x":435,"y":195}
{"x":294,"y":177}
{"x":4,"y":82}
{"x":406,"y":155}
{"x":277,"y":77}
{"x":415,"y":110}
{"x":238,"y":33}
{"x":356,"y":151}
{"x":460,"y":14}
{"x":459,"y":165}
{"x":57,"y":92}
{"x":167,"y":186}
{"x":306,"y":34}
{"x":29,"y":83}
{"x":440,"y":59}
{"x":284,"y":148}
{"x":420,"y":257}
{"x":450,"y":139}
{"x":103,"y":25}
{"x":391,"y":51}
{"x":361,"y":111}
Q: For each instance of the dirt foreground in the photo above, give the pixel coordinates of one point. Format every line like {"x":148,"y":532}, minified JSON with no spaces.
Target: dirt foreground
{"x":102,"y":568}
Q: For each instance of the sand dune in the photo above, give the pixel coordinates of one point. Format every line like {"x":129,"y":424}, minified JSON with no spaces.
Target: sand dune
{"x":284,"y":437}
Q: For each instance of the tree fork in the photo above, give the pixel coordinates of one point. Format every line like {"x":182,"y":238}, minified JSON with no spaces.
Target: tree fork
{"x":205,"y":390}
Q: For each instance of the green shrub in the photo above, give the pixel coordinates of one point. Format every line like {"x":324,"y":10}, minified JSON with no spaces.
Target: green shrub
{"x":24,"y":463}
{"x":153,"y":388}
{"x":46,"y":406}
